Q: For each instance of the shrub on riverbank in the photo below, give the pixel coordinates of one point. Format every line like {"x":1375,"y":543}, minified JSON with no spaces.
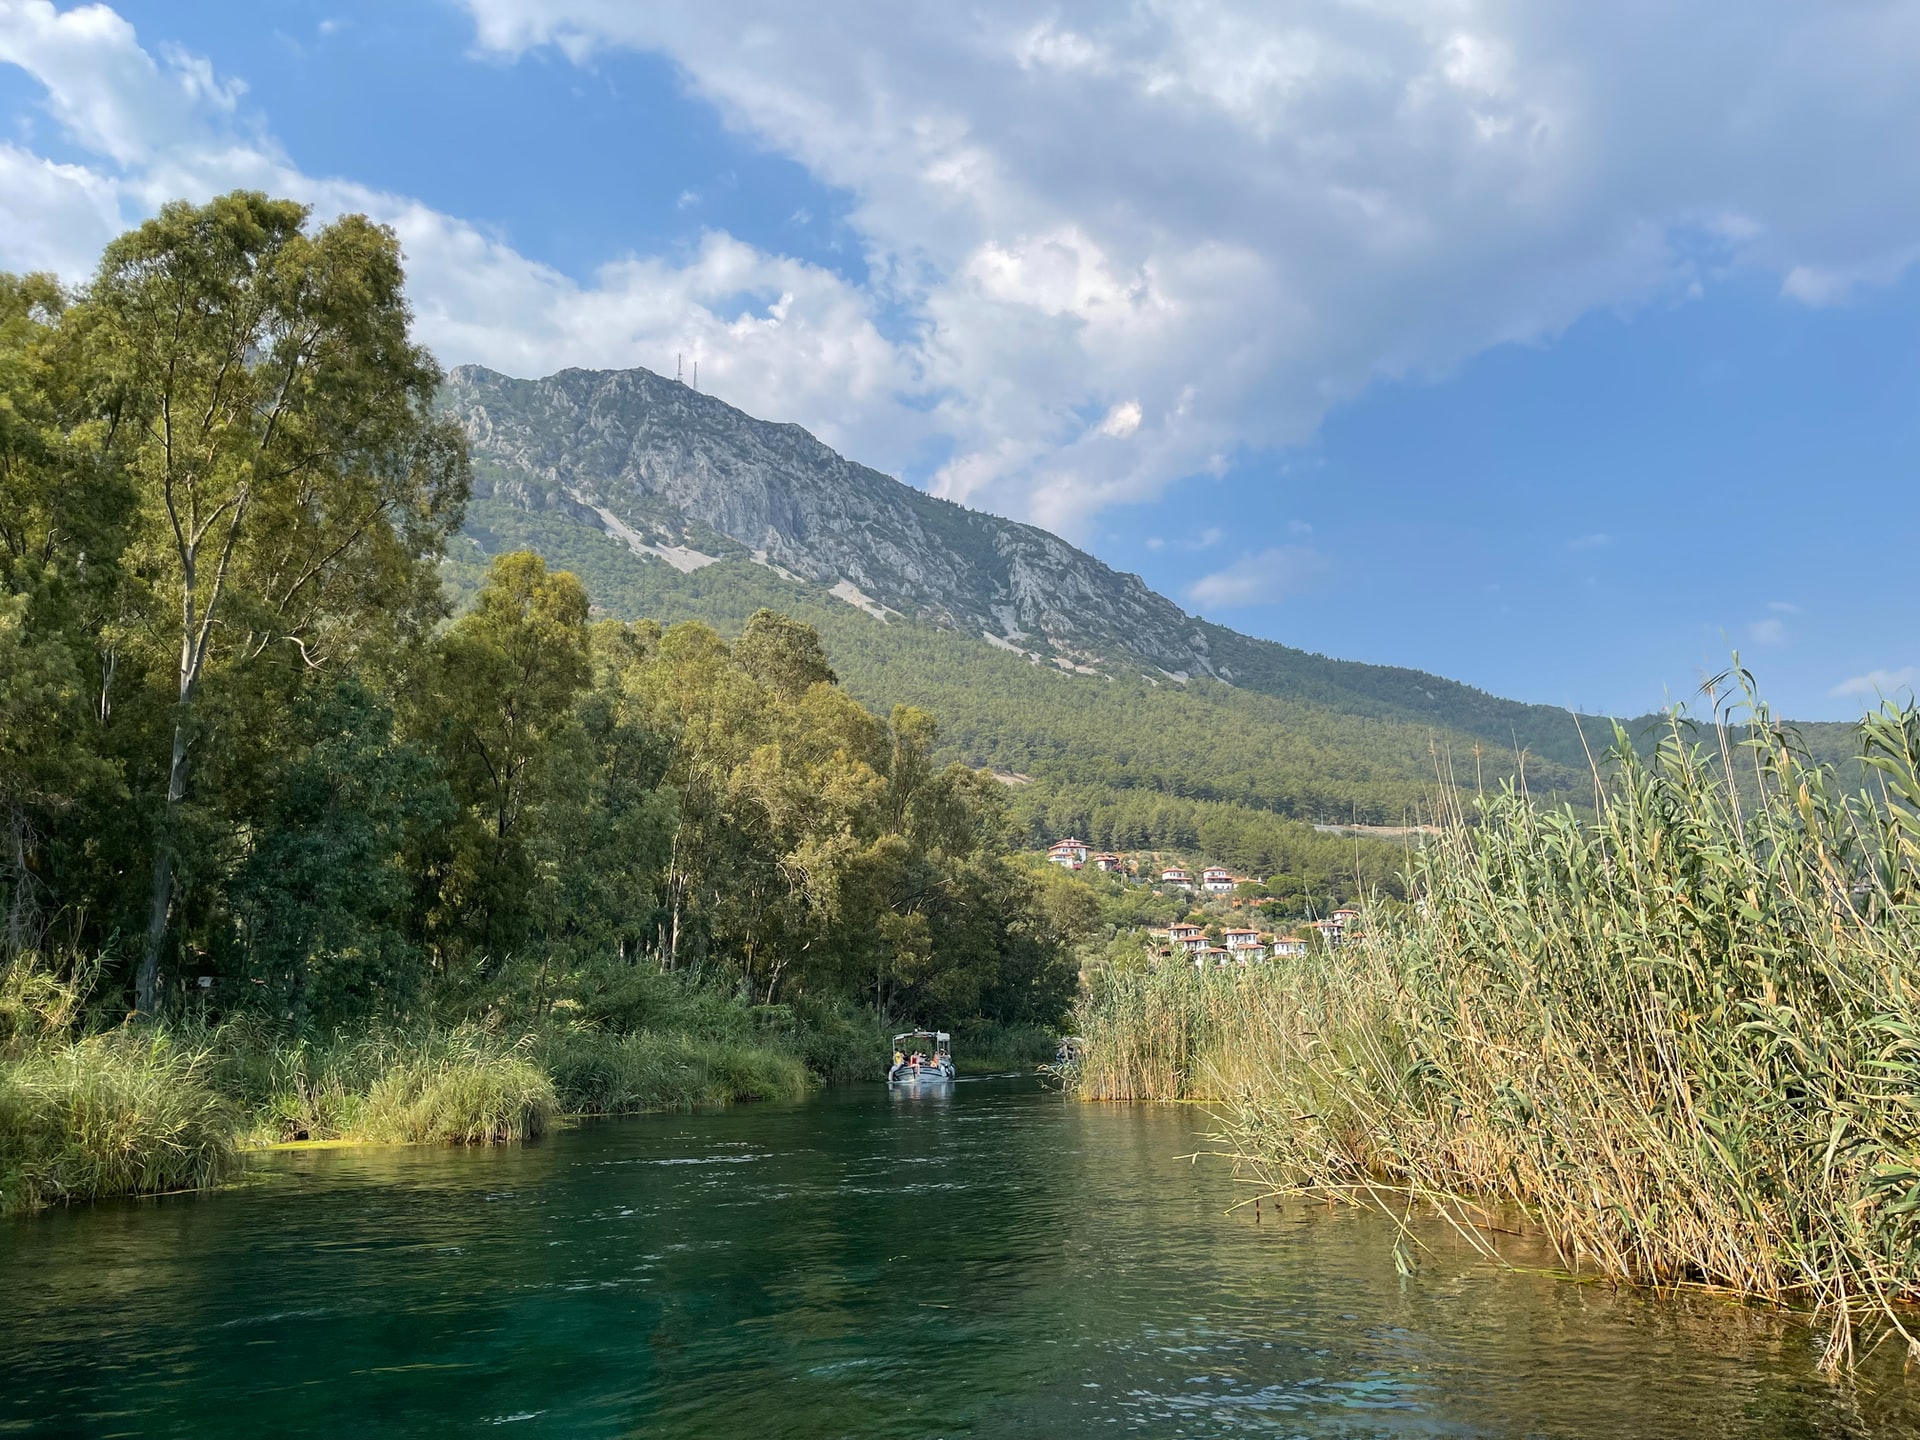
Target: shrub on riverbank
{"x":1683,"y":1037}
{"x":985,"y":1048}
{"x":117,"y":1114}
{"x":599,"y":1074}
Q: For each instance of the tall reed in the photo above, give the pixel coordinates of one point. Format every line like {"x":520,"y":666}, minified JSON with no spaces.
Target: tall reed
{"x":1683,"y":1036}
{"x":118,"y":1114}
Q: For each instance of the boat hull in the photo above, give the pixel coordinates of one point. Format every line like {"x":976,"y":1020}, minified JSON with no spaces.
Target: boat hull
{"x":925,"y":1077}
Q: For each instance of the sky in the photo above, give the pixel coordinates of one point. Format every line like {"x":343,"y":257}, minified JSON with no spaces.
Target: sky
{"x":1563,"y":349}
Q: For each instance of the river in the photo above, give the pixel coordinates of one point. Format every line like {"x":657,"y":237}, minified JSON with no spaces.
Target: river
{"x":998,"y":1263}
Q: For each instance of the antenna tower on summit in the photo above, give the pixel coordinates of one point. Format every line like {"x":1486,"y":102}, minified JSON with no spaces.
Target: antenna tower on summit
{"x":676,"y":368}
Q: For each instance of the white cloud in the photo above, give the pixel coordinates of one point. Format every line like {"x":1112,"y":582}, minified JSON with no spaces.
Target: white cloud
{"x":1122,"y":420}
{"x":1205,"y":221}
{"x":1771,"y":631}
{"x":1589,"y":542}
{"x":1236,"y":215}
{"x":1783,"y":607}
{"x":1876,"y":683}
{"x":777,"y":336}
{"x":1259,"y":579}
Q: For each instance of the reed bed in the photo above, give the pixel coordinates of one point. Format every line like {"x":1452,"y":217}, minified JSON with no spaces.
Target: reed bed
{"x":1681,"y":1037}
{"x":116,"y":1114}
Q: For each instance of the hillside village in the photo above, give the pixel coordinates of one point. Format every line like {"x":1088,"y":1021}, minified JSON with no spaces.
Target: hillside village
{"x":1214,"y":939}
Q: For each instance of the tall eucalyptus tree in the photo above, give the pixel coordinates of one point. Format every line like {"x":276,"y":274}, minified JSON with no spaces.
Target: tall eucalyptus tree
{"x":274,"y":414}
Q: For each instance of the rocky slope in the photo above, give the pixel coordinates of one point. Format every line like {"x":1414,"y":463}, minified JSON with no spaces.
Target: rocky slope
{"x":689,"y":479}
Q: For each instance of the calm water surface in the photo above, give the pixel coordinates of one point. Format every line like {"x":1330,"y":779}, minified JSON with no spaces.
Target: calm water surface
{"x":997,"y":1264}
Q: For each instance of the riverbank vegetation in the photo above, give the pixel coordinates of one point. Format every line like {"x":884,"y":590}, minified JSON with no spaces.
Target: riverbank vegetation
{"x":1680,"y":1038}
{"x":285,"y":837}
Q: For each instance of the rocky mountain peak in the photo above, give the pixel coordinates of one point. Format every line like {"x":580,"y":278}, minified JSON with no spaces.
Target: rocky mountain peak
{"x":689,"y":479}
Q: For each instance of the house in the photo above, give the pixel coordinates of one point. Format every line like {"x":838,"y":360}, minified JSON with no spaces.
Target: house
{"x":1289,"y":945}
{"x":1348,"y":917}
{"x":1212,"y":955}
{"x":1218,"y":880}
{"x":1071,"y":854}
{"x":1175,"y":876}
{"x":1106,"y":862}
{"x":1331,"y":931}
{"x":1242,"y":939}
{"x":1189,"y":938}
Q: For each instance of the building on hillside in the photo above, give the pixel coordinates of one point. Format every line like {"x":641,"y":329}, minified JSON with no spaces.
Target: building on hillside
{"x":1246,"y":945}
{"x":1331,"y":931}
{"x":1069,"y":853}
{"x":1217,"y":880}
{"x":1289,"y":945}
{"x":1175,"y":876}
{"x":1210,"y":955}
{"x":1107,"y":862}
{"x":1348,"y":917}
{"x":1188,"y":938}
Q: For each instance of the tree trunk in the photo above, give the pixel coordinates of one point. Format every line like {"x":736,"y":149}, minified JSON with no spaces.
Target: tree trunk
{"x":146,"y":982}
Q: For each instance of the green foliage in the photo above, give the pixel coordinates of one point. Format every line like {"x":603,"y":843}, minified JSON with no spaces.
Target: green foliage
{"x":595,"y":1073}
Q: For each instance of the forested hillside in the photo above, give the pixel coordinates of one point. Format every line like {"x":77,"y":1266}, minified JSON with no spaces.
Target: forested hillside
{"x":1112,"y":712}
{"x":1123,"y":760}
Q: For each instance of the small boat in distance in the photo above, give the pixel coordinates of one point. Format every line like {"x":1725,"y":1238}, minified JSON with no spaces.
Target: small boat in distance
{"x":915,"y":1064}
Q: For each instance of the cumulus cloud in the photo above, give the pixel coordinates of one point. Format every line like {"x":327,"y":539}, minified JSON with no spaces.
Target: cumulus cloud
{"x":778,"y":336}
{"x":1116,"y":245}
{"x":1260,"y":579}
{"x":1234,"y":215}
{"x":1876,"y":683}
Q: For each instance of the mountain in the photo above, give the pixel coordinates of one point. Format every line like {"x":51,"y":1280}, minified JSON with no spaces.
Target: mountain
{"x":1122,"y":710}
{"x":668,"y":469}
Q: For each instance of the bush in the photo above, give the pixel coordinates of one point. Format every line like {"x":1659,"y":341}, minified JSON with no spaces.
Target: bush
{"x":986,"y":1047}
{"x":118,"y":1114}
{"x":599,"y":1074}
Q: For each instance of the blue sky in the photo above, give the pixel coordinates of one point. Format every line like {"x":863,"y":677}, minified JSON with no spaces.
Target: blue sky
{"x":1555,"y":351}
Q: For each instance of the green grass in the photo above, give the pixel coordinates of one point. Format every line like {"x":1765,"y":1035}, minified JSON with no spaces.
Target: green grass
{"x":118,"y":1114}
{"x":1681,"y":1038}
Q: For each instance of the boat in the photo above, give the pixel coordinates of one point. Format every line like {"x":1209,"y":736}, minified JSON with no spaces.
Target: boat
{"x":916,"y":1064}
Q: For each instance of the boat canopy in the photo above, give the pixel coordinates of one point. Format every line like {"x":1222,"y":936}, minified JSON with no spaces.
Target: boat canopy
{"x":940,"y":1035}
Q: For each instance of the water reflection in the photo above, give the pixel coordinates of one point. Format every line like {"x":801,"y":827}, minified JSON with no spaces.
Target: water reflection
{"x":985,"y":1260}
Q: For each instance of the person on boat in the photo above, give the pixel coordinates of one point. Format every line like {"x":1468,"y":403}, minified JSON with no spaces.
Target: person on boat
{"x":898,"y":1059}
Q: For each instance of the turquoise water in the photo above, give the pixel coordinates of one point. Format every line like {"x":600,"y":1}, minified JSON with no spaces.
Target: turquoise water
{"x":997,"y":1263}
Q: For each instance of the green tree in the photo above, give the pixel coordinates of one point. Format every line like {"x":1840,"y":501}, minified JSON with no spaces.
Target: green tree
{"x":262,"y":392}
{"x":62,"y":525}
{"x":500,"y":702}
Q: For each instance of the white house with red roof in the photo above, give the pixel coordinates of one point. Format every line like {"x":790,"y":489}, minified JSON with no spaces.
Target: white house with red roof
{"x":1069,"y":853}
